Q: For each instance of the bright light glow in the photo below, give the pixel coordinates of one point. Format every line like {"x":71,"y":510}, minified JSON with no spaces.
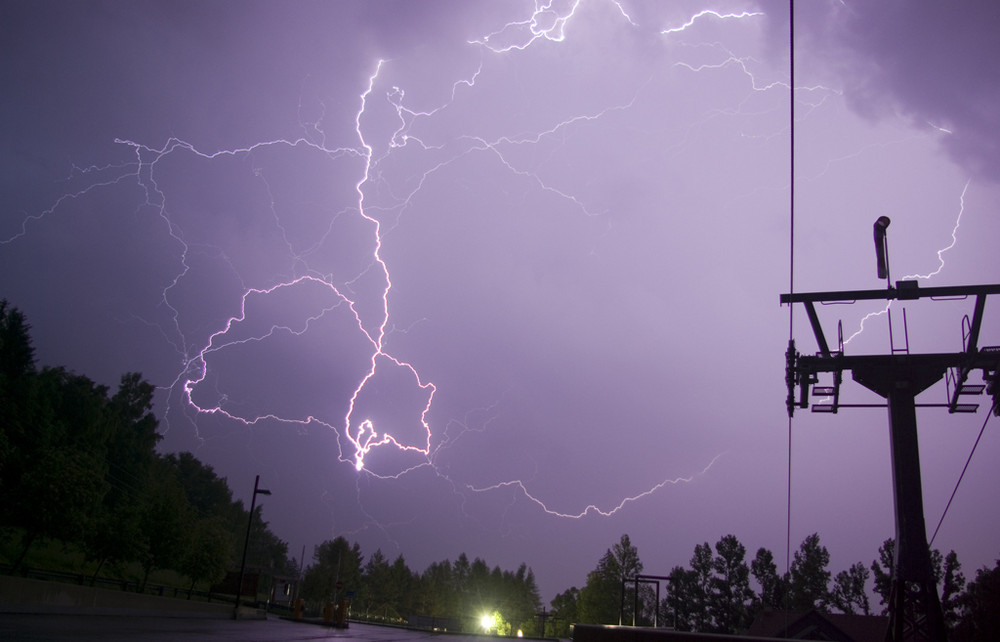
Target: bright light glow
{"x":487,"y":621}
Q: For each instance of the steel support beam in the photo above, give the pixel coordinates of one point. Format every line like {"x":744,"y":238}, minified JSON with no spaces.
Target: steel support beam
{"x":915,"y":610}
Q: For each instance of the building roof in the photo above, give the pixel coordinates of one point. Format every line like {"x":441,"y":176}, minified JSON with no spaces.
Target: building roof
{"x":815,"y":625}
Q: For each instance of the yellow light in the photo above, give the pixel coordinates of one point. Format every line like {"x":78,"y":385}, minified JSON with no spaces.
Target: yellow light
{"x":520,"y":633}
{"x":487,"y":622}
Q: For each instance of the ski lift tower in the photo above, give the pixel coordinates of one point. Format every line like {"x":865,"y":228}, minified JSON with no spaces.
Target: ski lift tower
{"x":914,"y":608}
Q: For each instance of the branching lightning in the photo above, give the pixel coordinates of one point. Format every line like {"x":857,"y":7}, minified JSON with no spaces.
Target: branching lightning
{"x":360,"y":438}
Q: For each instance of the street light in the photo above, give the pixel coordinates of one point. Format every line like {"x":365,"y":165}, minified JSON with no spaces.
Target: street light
{"x":253,"y":501}
{"x":487,"y":622}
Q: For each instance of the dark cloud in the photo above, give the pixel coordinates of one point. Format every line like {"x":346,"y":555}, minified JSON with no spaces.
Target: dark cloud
{"x":933,"y":62}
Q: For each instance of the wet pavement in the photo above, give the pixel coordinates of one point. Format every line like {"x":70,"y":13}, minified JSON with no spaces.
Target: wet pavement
{"x":85,"y":628}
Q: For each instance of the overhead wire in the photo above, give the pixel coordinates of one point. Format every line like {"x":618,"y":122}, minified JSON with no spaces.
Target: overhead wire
{"x":964,"y":468}
{"x":791,"y":258}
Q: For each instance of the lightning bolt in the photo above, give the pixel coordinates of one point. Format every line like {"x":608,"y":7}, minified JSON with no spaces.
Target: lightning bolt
{"x":548,"y":21}
{"x":624,"y":13}
{"x":592,"y":509}
{"x":954,"y":238}
{"x":709,"y":13}
{"x":941,"y":263}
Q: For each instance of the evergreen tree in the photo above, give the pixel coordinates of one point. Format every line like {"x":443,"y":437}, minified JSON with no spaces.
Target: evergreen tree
{"x":17,"y":377}
{"x":380,"y":598}
{"x":334,"y":561}
{"x":437,"y":590}
{"x":479,"y":598}
{"x":403,"y":579}
{"x":17,"y":354}
{"x":522,"y":601}
{"x":601,"y":597}
{"x":461,"y":571}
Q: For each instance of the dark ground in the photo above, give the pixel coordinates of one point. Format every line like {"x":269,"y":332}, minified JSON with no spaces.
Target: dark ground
{"x":84,"y":628}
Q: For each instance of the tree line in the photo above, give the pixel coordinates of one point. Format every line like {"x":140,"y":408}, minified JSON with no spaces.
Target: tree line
{"x":714,"y":594}
{"x":78,"y":465}
{"x":460,"y":595}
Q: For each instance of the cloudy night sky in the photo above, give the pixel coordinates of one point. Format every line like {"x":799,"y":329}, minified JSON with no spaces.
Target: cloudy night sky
{"x":502,"y":278}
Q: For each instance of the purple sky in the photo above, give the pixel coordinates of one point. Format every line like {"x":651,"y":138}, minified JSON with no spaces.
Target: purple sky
{"x":453,"y":277}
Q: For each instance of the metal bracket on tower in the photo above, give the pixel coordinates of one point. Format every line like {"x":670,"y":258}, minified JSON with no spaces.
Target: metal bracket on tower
{"x":803,"y":371}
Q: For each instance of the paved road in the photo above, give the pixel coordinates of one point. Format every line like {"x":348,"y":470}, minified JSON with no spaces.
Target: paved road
{"x":100,"y":628}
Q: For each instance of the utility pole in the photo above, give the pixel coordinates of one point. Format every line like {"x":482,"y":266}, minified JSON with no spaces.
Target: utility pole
{"x":246,"y":542}
{"x":542,"y":616}
{"x":898,"y":377}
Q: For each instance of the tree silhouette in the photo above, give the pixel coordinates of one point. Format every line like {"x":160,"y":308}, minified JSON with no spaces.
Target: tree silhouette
{"x":773,"y":587}
{"x":849,"y":594}
{"x":809,"y":577}
{"x":731,"y":596}
{"x":980,"y":608}
{"x":600,"y":598}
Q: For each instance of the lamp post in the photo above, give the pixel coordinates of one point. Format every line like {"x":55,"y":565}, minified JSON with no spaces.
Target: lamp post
{"x":246,"y":542}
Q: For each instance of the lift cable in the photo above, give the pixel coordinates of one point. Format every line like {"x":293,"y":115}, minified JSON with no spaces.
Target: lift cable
{"x":964,"y":468}
{"x":791,"y":257}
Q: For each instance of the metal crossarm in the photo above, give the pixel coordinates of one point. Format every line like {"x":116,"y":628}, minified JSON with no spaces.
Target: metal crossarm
{"x":802,"y":370}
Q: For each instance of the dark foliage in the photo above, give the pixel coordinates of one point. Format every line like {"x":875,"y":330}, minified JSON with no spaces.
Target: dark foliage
{"x":79,"y":466}
{"x":447,"y":595}
{"x":601,"y":599}
{"x":979,"y":605}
